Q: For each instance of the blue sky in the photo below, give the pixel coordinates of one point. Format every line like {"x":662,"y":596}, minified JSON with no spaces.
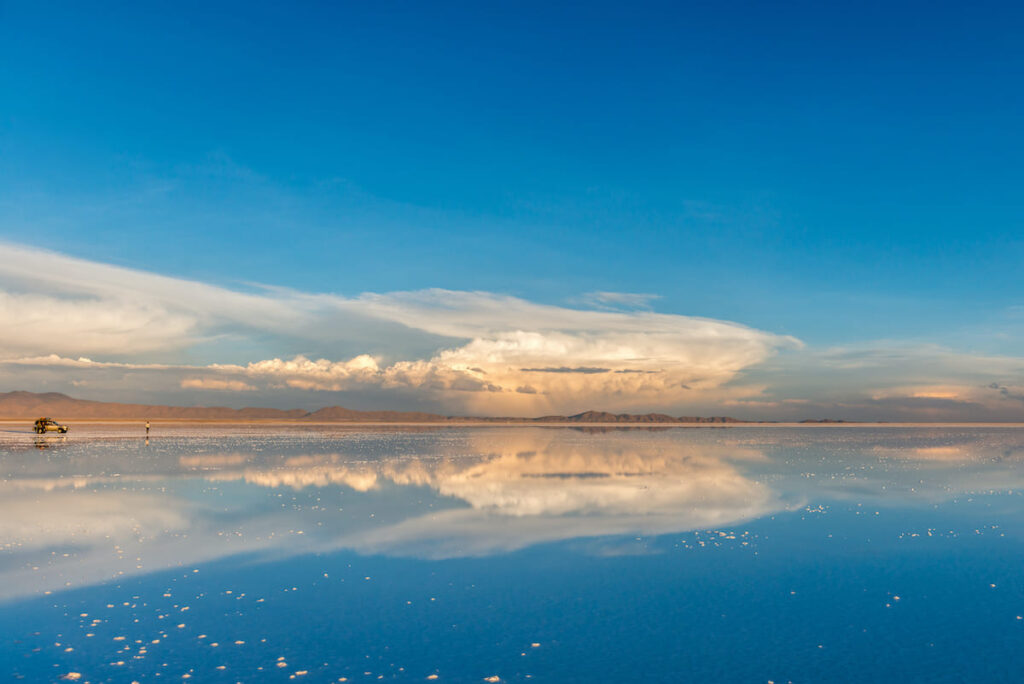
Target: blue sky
{"x":845,"y":176}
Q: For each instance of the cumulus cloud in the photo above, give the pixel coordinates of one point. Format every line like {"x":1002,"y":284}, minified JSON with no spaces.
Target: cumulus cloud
{"x":217,"y":384}
{"x":887,"y":380}
{"x":523,"y":370}
{"x":491,"y":352}
{"x":67,"y":321}
{"x":303,"y":373}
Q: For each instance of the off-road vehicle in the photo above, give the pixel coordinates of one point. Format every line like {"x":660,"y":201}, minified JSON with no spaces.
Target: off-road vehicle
{"x":44,"y":425}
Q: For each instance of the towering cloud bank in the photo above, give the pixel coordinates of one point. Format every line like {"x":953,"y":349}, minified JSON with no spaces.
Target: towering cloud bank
{"x":490,"y":352}
{"x":557,"y":358}
{"x":115,"y":333}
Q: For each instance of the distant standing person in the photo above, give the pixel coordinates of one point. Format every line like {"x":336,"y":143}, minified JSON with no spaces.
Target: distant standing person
{"x":147,"y":428}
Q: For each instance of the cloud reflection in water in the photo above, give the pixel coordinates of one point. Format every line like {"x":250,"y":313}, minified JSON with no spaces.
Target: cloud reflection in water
{"x":101,"y":509}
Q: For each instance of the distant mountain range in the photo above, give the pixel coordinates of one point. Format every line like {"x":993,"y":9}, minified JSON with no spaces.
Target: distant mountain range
{"x":605,"y":417}
{"x":31,"y":405}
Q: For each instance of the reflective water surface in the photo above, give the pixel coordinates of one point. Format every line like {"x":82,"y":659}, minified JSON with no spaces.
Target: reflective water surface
{"x":255,"y":553}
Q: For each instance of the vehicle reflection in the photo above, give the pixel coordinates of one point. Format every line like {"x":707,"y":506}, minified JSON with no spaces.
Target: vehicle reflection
{"x":47,"y":441}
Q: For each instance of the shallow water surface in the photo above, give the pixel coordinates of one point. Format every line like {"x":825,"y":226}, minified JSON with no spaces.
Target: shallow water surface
{"x":259,"y":553}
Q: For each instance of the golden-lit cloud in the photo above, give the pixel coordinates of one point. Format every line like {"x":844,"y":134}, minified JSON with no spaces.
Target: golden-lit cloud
{"x":491,"y":352}
{"x":523,"y":371}
{"x":68,"y":323}
{"x":217,"y":384}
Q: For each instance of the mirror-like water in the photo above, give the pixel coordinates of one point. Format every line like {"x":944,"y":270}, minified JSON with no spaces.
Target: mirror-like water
{"x":550,"y":554}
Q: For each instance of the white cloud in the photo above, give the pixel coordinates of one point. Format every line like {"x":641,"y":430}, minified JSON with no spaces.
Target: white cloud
{"x":31,"y":322}
{"x":563,"y":370}
{"x":52,"y":303}
{"x":67,"y":321}
{"x":217,"y":384}
{"x":888,"y":380}
{"x":55,"y":360}
{"x":492,"y":352}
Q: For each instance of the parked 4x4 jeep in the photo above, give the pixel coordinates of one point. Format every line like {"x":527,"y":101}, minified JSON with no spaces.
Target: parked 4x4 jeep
{"x":49,"y":425}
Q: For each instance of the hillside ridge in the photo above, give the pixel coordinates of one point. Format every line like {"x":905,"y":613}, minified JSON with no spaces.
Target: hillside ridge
{"x":21,"y":404}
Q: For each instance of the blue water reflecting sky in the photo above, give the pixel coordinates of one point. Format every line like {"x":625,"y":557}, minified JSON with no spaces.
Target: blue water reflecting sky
{"x":550,"y":554}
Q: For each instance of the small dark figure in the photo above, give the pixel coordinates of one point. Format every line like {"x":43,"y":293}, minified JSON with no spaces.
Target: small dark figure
{"x":147,"y":429}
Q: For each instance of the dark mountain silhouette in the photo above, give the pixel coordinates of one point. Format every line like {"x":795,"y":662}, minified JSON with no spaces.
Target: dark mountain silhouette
{"x":54,"y":404}
{"x":339,"y":414}
{"x":605,"y":417}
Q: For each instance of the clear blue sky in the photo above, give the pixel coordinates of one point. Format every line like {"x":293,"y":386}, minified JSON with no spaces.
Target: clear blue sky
{"x":836,"y":173}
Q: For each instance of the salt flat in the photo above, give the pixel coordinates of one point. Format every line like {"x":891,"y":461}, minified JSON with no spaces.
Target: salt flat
{"x":232,"y":552}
